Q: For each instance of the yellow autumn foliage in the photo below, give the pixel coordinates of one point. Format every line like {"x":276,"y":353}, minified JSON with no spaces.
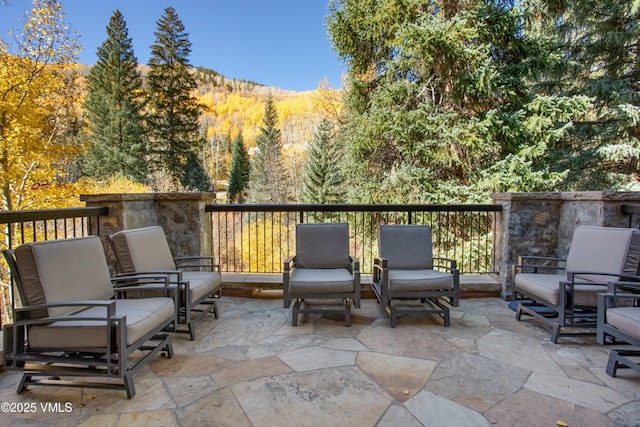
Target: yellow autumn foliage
{"x":38,"y":98}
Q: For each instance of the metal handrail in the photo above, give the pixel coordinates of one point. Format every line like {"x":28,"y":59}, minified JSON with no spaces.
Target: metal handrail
{"x":250,"y":238}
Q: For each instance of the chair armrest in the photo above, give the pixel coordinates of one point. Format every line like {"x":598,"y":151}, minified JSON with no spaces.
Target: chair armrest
{"x":534,"y":263}
{"x":626,"y":286}
{"x":169,"y":273}
{"x":573,"y":280}
{"x":110,"y":306}
{"x":609,"y":299}
{"x":450,"y":264}
{"x":355,"y":264}
{"x":133,"y":282}
{"x":379,"y":267}
{"x":380,"y":261}
{"x":197,"y":261}
{"x":140,"y":278}
{"x":289,"y":262}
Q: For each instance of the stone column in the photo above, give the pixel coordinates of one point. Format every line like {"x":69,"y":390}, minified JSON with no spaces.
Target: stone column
{"x":528,"y":226}
{"x":181,"y":215}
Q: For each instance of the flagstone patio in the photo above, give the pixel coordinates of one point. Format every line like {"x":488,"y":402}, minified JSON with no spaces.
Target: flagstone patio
{"x":251,"y":368}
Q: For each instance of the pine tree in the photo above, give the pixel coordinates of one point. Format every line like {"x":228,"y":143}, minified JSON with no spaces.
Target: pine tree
{"x":600,"y":41}
{"x":323,"y":181}
{"x":174,"y":110}
{"x":268,"y":182}
{"x":440,"y":106}
{"x":114,"y":105}
{"x":240,"y":171}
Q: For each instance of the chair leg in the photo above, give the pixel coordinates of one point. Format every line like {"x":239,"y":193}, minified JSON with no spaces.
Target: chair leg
{"x":447,"y":318}
{"x":394,"y":317}
{"x":168,"y":349}
{"x":555,"y":333}
{"x":192,"y":330}
{"x":216,"y":314}
{"x":128,"y":385}
{"x":612,"y":364}
{"x":295,"y":311}
{"x":22,"y":386}
{"x":519,"y":312}
{"x":347,"y":312}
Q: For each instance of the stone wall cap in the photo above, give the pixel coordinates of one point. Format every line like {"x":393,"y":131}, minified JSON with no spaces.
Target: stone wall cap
{"x":569,"y":195}
{"x":117,"y":197}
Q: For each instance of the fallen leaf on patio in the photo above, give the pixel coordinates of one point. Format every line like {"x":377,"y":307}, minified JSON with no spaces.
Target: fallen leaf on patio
{"x":90,"y":397}
{"x":407,"y":392}
{"x":562,"y":423}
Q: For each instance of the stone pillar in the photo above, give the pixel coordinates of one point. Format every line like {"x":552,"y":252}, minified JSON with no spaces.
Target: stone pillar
{"x":542,"y":224}
{"x":528,"y":226}
{"x":181,"y":215}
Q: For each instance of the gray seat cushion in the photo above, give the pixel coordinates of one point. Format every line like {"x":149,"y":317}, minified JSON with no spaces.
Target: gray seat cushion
{"x":419,"y":280}
{"x":201,"y":283}
{"x":547,"y":287}
{"x":320,"y":281}
{"x":625,"y":319}
{"x":143,"y":315}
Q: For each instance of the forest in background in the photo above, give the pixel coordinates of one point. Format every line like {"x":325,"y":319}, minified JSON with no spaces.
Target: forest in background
{"x":444,"y":102}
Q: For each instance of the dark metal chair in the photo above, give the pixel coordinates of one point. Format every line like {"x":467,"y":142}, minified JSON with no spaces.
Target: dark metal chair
{"x":568,"y":288}
{"x":321,"y":269}
{"x":68,"y":322}
{"x":145,"y":250}
{"x":406,"y":269}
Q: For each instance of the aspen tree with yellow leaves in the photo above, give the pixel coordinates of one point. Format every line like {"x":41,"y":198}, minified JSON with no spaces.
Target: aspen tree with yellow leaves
{"x":38,"y":99}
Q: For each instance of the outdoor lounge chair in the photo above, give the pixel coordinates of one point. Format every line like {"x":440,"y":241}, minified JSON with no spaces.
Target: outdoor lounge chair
{"x":321,"y":269}
{"x":69,"y":324}
{"x":145,"y":250}
{"x":406,"y":269}
{"x":619,"y":319}
{"x":563,"y":292}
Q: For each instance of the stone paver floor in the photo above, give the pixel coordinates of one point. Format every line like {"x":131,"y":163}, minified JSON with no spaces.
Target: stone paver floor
{"x":251,"y":368}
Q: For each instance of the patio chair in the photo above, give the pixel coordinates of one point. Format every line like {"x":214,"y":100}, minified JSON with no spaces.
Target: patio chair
{"x":405,"y":269}
{"x":321,"y":269}
{"x":69,"y":324}
{"x":619,"y":319}
{"x":563,"y":292}
{"x":145,"y":250}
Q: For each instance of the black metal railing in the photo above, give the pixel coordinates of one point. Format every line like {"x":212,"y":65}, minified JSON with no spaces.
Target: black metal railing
{"x":256,"y":238}
{"x":19,"y":227}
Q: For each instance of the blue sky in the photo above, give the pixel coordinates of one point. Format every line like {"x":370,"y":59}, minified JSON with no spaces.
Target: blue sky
{"x":281,"y":43}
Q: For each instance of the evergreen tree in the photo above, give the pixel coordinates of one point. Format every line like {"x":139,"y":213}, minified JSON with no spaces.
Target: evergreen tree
{"x":114,"y":106}
{"x":323,"y":182}
{"x":439,"y":105}
{"x":268,"y":182}
{"x":600,"y":41}
{"x":240,"y":171}
{"x":175,"y":111}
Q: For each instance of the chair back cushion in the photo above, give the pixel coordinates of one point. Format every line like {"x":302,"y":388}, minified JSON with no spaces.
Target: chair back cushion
{"x":322,"y":245}
{"x":406,"y":247}
{"x":142,"y":249}
{"x":606,"y":250}
{"x":63,"y":270}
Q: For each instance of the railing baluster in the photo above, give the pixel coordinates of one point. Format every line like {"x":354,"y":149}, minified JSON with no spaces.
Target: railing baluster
{"x":464,"y":232}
